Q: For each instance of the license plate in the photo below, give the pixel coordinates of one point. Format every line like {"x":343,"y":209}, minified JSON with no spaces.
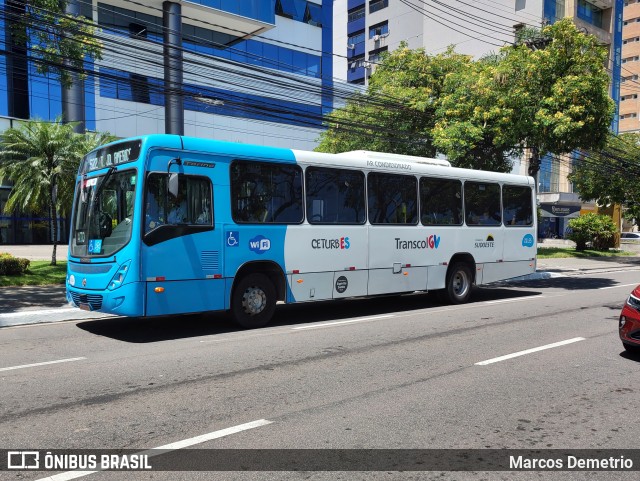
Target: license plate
{"x":85,"y":307}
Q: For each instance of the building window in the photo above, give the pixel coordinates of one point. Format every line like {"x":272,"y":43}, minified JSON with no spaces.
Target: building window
{"x":300,"y":11}
{"x":375,"y":56}
{"x":375,"y":5}
{"x":137,"y":31}
{"x":629,"y":97}
{"x":630,"y":78}
{"x":286,"y":8}
{"x":355,"y":39}
{"x":379,"y":29}
{"x":313,"y":15}
{"x":355,"y":14}
{"x":631,"y":59}
{"x":628,"y":116}
{"x":631,"y":40}
{"x":589,"y":13}
{"x":356,"y":62}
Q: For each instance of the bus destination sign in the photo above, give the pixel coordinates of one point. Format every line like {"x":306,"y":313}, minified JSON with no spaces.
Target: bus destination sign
{"x":115,"y":154}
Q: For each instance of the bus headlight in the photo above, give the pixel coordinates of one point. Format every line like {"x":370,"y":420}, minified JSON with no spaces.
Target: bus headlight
{"x":119,"y":276}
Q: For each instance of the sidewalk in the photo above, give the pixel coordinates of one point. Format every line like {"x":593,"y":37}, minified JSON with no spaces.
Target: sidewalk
{"x":36,"y":252}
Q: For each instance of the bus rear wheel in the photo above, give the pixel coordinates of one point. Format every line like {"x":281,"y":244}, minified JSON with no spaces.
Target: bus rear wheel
{"x":458,"y":288}
{"x":253,"y":301}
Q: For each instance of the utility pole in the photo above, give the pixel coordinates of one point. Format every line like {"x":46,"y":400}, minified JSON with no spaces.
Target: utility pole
{"x":173,"y":64}
{"x":73,"y":95}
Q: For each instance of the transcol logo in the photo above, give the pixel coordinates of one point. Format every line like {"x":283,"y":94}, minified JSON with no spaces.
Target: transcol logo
{"x":259,"y":244}
{"x":430,"y":242}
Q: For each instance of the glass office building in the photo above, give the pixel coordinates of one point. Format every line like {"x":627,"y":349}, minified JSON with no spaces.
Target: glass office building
{"x":253,"y":71}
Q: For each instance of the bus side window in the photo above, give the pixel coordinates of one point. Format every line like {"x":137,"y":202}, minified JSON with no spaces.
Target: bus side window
{"x":517,"y":205}
{"x":482,"y":203}
{"x":335,"y":196}
{"x":440,"y":201}
{"x":193,"y":206}
{"x":393,"y":199}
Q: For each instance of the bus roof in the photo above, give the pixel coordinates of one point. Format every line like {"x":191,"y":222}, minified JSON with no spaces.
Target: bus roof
{"x":360,"y":159}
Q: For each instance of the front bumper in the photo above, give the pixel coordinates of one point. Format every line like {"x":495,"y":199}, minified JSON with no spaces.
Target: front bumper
{"x":127,"y":300}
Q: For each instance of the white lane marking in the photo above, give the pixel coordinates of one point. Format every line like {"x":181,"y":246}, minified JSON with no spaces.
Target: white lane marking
{"x":62,"y":310}
{"x":170,"y":447}
{"x":42,"y":363}
{"x":529,"y":351}
{"x":514,"y":299}
{"x":614,"y":287}
{"x":336,"y":323}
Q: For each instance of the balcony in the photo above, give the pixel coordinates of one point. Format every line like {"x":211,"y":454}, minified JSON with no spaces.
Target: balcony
{"x":243,"y":19}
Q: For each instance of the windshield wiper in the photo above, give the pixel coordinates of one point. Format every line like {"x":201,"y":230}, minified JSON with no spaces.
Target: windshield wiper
{"x":96,"y":199}
{"x":106,"y":177}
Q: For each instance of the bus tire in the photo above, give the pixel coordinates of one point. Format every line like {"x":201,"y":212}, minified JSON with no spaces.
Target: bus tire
{"x":253,"y":301}
{"x":459,"y":282}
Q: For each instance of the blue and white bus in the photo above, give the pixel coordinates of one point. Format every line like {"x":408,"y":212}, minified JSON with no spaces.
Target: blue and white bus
{"x":165,"y":225}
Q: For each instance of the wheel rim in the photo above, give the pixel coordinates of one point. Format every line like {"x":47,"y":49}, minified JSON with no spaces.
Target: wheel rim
{"x":460,"y":283}
{"x":254,"y":301}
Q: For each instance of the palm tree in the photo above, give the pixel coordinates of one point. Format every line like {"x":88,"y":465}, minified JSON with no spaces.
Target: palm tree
{"x":41,"y":159}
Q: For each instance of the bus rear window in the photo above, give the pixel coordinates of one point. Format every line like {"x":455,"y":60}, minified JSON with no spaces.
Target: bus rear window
{"x":264,"y":193}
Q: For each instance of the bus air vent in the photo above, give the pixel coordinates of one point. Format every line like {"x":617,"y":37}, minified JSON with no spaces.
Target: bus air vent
{"x":94,"y":300}
{"x":89,"y":268}
{"x":210,"y":260}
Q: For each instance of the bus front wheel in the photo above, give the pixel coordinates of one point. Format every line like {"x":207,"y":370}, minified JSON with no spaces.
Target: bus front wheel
{"x":254,"y":301}
{"x":458,"y":288}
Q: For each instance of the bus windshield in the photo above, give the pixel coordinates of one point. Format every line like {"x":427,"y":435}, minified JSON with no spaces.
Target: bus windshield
{"x":103,"y":213}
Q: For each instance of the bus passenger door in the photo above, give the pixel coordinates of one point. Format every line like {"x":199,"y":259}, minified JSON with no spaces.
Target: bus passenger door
{"x":182,"y":254}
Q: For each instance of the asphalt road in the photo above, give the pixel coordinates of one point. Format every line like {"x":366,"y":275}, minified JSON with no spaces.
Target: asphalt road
{"x":390,"y":372}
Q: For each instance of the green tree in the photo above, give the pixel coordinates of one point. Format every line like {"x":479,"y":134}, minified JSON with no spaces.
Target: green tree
{"x":608,"y":175}
{"x":470,"y":119}
{"x":547,"y":93}
{"x":57,"y":40}
{"x":397,"y":112}
{"x":42,"y":159}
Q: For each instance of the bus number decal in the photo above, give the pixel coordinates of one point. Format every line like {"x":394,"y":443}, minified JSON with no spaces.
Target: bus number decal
{"x":527,"y":241}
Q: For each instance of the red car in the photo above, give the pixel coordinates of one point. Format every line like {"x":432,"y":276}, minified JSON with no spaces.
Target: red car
{"x":630,"y":322}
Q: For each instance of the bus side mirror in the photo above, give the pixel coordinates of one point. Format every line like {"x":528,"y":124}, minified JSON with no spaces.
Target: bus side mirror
{"x":174,"y":184}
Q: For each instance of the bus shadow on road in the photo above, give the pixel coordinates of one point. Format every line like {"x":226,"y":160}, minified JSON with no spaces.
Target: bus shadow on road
{"x":571,"y":283}
{"x":167,"y":328}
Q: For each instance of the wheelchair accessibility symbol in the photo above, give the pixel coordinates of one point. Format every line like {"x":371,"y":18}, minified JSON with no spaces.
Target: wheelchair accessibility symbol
{"x":233,"y":238}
